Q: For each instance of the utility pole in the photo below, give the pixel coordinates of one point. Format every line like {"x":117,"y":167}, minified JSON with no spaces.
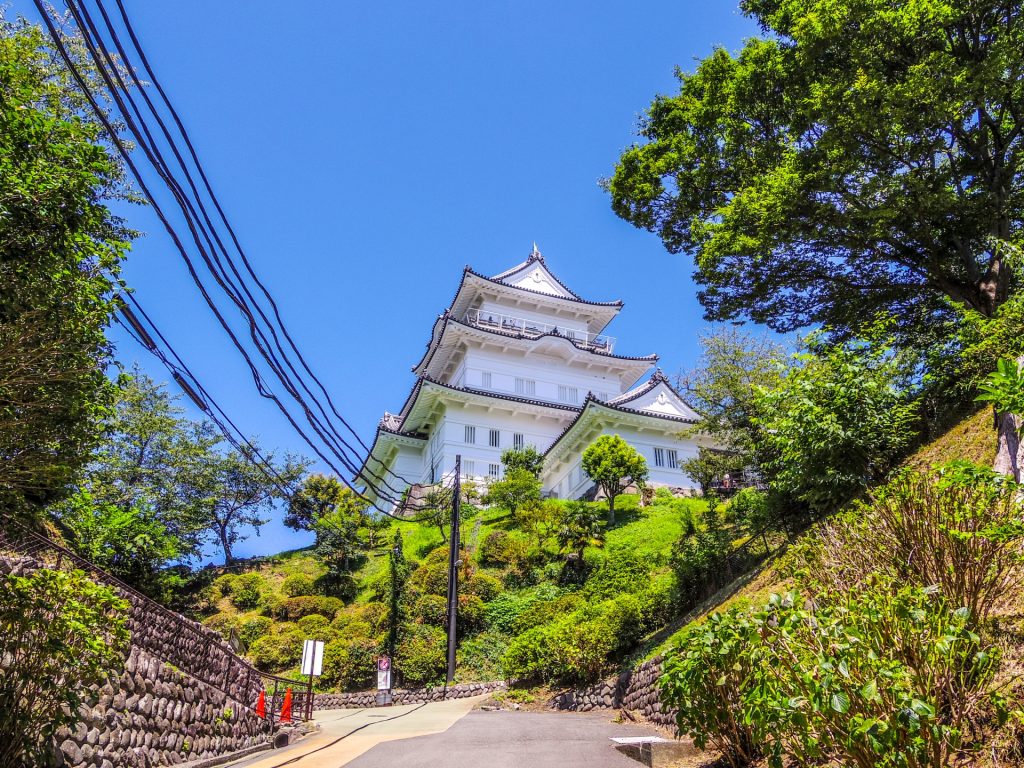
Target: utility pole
{"x":453,"y":571}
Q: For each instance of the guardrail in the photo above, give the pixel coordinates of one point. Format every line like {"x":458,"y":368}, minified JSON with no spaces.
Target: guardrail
{"x":189,"y":646}
{"x":494,"y":321}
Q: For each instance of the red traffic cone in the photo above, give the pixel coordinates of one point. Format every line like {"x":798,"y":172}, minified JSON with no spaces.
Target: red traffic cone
{"x":286,"y":707}
{"x":261,"y":705}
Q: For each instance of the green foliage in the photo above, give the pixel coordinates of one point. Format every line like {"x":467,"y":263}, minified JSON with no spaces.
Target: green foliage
{"x":710,"y":465}
{"x":1004,"y":388}
{"x":503,"y":548}
{"x":479,"y":656}
{"x":622,"y":571}
{"x":295,"y":608}
{"x":483,"y":586}
{"x":883,"y":676}
{"x":247,"y":591}
{"x":959,"y":527}
{"x":503,"y":612}
{"x":528,"y":459}
{"x":132,"y":543}
{"x":518,"y":488}
{"x":315,"y":626}
{"x":225,"y":584}
{"x":431,"y":609}
{"x":350,"y":662}
{"x":278,"y":650}
{"x":613,"y":464}
{"x":821,"y":177}
{"x":581,"y":527}
{"x":298,"y":584}
{"x":697,"y":561}
{"x":61,"y":638}
{"x":751,"y":509}
{"x":255,"y":628}
{"x":421,"y":657}
{"x":541,"y":520}
{"x":60,"y":254}
{"x":834,"y":425}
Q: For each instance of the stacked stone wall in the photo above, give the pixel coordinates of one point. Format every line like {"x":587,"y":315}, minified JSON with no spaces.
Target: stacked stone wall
{"x":183,"y":694}
{"x":635,"y":690}
{"x":362,"y":699}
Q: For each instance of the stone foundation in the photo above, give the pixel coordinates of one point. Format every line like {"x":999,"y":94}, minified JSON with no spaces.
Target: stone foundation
{"x":635,"y":690}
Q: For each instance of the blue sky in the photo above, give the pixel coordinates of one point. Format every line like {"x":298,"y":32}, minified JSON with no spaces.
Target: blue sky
{"x":366,"y":152}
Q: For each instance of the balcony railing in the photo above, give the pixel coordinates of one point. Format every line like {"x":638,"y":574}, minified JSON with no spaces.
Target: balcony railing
{"x":494,"y":321}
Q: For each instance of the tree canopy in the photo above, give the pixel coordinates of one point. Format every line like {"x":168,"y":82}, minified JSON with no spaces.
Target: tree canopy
{"x":864,"y":157}
{"x":613,"y":464}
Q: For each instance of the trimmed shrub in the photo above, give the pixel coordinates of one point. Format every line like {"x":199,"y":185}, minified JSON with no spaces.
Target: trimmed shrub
{"x":254,"y":628}
{"x":421,"y":655}
{"x":503,"y":548}
{"x":471,"y":613}
{"x":279,"y":650}
{"x":350,"y":663}
{"x":247,"y":591}
{"x":225,"y":584}
{"x":340,"y":584}
{"x":298,"y":584}
{"x":430,"y":609}
{"x":314,"y":626}
{"x":295,"y":608}
{"x":483,"y":586}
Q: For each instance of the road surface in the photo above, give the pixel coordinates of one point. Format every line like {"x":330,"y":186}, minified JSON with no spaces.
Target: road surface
{"x":451,"y":734}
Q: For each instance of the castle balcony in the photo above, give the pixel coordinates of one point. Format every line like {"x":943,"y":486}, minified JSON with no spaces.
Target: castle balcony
{"x":518,"y":326}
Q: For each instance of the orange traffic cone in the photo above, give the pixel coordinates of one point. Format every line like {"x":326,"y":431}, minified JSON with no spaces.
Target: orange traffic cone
{"x":286,"y":707}
{"x":261,"y":705}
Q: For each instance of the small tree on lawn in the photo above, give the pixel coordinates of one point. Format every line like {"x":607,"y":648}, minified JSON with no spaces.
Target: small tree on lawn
{"x":518,"y":488}
{"x":613,"y":464}
{"x":580,"y":528}
{"x":528,"y":458}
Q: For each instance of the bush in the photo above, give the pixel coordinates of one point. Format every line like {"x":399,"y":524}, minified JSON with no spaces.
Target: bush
{"x":503,"y":548}
{"x":254,"y":628}
{"x":350,"y":662}
{"x":479,"y":657}
{"x":471,"y":614}
{"x":960,"y":527}
{"x":483,"y":586}
{"x":431,"y":609}
{"x":298,"y":584}
{"x":882,"y":676}
{"x":247,"y":591}
{"x":622,"y":571}
{"x":339,"y":584}
{"x":66,"y":637}
{"x":750,"y":508}
{"x":279,"y":650}
{"x":295,"y":608}
{"x":502,"y":613}
{"x":225,"y":584}
{"x":314,"y":626}
{"x":421,"y":656}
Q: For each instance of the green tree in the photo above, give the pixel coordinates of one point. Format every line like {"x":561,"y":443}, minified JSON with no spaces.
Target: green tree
{"x":721,"y":387}
{"x":317,"y":495}
{"x":862,"y":157}
{"x":243,"y":489}
{"x":835,"y":424}
{"x":1004,"y":388}
{"x":613,"y":464}
{"x":528,"y":458}
{"x":518,"y":488}
{"x":581,"y":527}
{"x":338,"y":533}
{"x":398,"y":575}
{"x":62,"y":638}
{"x":60,"y":251}
{"x":710,"y":465}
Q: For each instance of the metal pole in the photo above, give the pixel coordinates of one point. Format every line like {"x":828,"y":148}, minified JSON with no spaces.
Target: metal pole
{"x":453,"y":572}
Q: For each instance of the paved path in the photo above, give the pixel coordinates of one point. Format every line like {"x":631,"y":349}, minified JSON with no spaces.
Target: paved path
{"x":512,"y":740}
{"x":449,"y":735}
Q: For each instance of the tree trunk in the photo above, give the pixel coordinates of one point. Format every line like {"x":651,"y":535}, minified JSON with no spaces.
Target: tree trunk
{"x":226,"y":545}
{"x":611,"y":509}
{"x":1010,"y":450}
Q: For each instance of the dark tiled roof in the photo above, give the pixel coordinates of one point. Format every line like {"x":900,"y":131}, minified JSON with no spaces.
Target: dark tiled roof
{"x":656,"y":378}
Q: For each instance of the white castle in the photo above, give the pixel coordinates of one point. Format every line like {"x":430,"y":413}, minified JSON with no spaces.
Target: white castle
{"x":516,"y":360}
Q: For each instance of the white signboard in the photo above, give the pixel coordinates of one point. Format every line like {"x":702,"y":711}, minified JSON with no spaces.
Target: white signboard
{"x":384,"y":673}
{"x":312,"y":657}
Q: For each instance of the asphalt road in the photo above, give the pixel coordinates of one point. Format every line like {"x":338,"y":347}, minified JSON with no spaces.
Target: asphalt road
{"x":511,"y":740}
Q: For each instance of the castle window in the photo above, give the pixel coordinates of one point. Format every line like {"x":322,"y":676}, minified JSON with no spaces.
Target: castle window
{"x":468,"y":468}
{"x":659,"y":457}
{"x":494,"y":470}
{"x":568,"y":394}
{"x":518,"y":441}
{"x":526,"y":386}
{"x":485,"y":378}
{"x":673,"y":459}
{"x":470,"y":435}
{"x":495,"y":439}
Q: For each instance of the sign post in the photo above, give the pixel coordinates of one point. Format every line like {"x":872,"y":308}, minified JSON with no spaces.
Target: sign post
{"x":384,"y":680}
{"x":312,"y":665}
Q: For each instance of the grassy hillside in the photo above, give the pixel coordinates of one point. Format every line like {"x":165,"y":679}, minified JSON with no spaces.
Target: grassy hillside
{"x":511,"y":584}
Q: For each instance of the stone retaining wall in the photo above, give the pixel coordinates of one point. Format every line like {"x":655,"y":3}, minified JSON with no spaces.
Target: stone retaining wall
{"x":183,"y":695}
{"x":362,"y":699}
{"x":635,"y":690}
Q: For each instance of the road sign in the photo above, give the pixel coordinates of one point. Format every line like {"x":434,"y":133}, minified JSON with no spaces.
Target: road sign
{"x":312,"y":657}
{"x":384,"y":673}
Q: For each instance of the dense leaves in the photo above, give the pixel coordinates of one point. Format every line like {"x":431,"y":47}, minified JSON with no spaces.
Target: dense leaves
{"x":863,"y":156}
{"x":613,"y":464}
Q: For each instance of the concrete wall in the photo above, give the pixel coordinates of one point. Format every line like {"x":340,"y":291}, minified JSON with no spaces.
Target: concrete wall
{"x":362,"y":699}
{"x":635,"y":690}
{"x":182,"y":695}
